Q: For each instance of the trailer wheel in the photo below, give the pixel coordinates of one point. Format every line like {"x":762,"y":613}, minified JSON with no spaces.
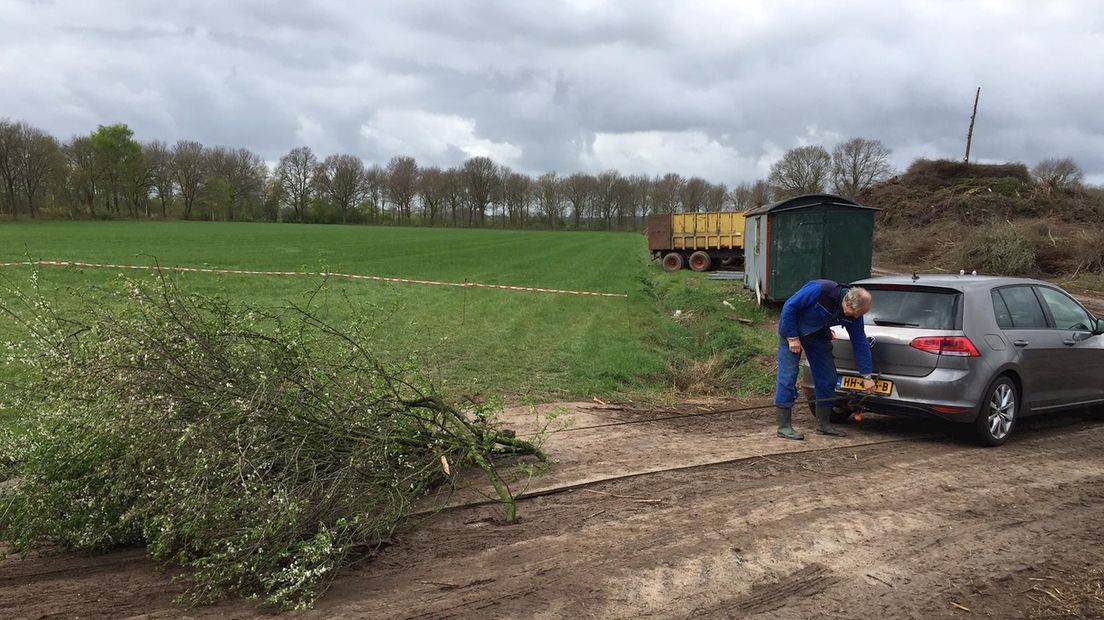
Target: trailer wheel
{"x":672,"y":262}
{"x":700,"y":261}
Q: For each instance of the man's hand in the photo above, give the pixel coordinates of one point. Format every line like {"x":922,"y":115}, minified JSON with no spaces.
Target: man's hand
{"x":868,"y":386}
{"x":795,"y":345}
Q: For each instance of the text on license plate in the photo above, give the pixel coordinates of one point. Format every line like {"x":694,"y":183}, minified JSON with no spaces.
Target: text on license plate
{"x":848,"y":382}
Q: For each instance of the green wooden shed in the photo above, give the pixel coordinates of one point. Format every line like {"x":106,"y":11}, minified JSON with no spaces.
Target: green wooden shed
{"x":808,"y":237}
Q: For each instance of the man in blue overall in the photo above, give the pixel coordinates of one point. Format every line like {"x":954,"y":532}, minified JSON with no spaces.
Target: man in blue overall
{"x":805,"y":325}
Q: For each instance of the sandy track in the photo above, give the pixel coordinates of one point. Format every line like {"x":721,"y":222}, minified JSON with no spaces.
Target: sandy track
{"x":899,"y":529}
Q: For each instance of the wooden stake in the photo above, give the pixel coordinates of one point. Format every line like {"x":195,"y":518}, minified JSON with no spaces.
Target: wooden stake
{"x":970,"y":134}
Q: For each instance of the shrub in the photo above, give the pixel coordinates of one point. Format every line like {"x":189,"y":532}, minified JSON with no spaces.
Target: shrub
{"x":1003,"y":251}
{"x":261,"y":449}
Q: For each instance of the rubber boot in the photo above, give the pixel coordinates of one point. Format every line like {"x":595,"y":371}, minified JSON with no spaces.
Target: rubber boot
{"x":783,"y":416}
{"x":824,"y":422}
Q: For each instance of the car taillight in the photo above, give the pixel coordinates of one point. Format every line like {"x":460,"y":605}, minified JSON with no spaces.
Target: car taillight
{"x":958,"y":346}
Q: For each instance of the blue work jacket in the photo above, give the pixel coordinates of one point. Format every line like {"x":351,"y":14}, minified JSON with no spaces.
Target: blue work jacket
{"x":817,"y":305}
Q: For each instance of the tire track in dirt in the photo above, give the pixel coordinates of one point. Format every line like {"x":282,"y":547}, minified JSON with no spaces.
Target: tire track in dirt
{"x":810,"y":580}
{"x":726,"y":530}
{"x":891,"y":530}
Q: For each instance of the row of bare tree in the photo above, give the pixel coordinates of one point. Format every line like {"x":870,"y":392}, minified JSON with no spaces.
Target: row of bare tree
{"x":110,"y":174}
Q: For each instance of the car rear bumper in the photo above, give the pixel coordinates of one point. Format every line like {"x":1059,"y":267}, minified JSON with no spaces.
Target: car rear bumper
{"x":945,"y":393}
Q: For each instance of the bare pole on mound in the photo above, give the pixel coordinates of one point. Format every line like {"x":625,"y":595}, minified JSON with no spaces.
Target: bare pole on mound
{"x":970,"y":134}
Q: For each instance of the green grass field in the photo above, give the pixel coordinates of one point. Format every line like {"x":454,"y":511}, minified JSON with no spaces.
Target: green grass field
{"x":492,"y":342}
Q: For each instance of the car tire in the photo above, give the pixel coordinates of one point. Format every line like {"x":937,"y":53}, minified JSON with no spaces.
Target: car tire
{"x":998,"y":414}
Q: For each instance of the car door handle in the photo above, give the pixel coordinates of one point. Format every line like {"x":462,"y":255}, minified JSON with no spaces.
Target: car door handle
{"x":1069,"y":342}
{"x":1020,"y":343}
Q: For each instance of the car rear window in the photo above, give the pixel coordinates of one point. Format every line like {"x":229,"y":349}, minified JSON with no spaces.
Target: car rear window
{"x":913,"y":307}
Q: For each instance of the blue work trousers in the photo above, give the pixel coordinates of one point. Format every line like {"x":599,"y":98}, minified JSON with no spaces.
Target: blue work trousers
{"x":818,"y":350}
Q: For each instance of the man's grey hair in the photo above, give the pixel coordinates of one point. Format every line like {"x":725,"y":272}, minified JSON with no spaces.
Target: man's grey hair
{"x":858,"y":298}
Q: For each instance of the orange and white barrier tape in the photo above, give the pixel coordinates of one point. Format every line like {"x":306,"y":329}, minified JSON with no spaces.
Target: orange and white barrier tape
{"x":324,"y":274}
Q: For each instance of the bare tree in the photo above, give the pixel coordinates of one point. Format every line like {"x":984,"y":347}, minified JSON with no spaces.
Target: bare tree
{"x":273,"y":198}
{"x":693,"y":194}
{"x":296,"y":173}
{"x":246,"y":173}
{"x":605,"y":197}
{"x":802,"y":170}
{"x":456,"y":193}
{"x":83,"y":171}
{"x":481,"y":175}
{"x":343,"y":180}
{"x":187,"y":168}
{"x":624,"y":200}
{"x":1061,"y":173}
{"x":375,"y":181}
{"x":579,"y":189}
{"x":10,"y":148}
{"x":37,"y":163}
{"x":214,"y":190}
{"x":716,"y":197}
{"x":550,"y":197}
{"x":434,"y":188}
{"x":517,"y":193}
{"x":642,"y":198}
{"x":159,"y":160}
{"x":665,"y":193}
{"x":741,"y":196}
{"x":402,"y":185}
{"x":761,"y":193}
{"x":498,"y":194}
{"x":137,"y":183}
{"x":858,"y":164}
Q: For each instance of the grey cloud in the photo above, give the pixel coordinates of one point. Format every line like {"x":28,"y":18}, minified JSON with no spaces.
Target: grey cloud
{"x":743,"y":80}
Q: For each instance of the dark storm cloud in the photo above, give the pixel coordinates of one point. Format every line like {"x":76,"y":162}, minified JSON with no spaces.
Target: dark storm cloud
{"x":718,"y":89}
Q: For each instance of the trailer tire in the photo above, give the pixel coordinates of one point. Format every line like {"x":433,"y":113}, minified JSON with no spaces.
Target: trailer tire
{"x":672,"y":261}
{"x":700,"y":261}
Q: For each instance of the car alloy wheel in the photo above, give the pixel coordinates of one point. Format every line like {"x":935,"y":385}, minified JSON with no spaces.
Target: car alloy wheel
{"x":1002,"y":411}
{"x":998,"y":413}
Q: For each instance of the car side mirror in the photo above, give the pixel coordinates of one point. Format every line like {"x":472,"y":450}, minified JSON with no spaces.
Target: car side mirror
{"x":1099,"y":328}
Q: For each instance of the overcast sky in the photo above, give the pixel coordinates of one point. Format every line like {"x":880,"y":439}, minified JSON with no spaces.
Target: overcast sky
{"x":716,"y":89}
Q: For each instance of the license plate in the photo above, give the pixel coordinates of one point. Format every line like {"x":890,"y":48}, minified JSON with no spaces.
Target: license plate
{"x":855,"y":384}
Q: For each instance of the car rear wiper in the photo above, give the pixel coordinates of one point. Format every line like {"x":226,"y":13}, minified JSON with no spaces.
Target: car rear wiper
{"x":885,"y":323}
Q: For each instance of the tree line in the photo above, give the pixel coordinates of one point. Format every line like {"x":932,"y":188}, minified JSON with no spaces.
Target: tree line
{"x":109,"y":174}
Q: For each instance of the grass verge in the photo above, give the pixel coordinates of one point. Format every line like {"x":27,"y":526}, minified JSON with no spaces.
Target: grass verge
{"x":717,"y":340}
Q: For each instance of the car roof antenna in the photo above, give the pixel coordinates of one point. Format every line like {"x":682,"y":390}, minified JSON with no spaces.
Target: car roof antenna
{"x":915,"y":277}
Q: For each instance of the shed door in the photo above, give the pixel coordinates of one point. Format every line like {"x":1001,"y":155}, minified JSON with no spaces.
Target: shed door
{"x":797,"y":250}
{"x":847,"y":246}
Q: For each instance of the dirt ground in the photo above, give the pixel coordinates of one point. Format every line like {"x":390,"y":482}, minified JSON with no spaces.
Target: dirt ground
{"x":709,"y":516}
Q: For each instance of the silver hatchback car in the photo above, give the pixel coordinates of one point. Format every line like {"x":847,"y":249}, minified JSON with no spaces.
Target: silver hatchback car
{"x":979,"y":350}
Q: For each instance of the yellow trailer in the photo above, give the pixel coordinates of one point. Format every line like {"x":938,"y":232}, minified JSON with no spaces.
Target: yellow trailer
{"x":699,"y":240}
